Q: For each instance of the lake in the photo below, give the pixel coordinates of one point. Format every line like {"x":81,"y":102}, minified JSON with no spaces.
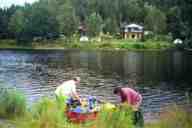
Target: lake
{"x":163,"y":77}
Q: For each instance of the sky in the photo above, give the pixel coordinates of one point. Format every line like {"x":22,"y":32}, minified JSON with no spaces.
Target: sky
{"x":8,"y":3}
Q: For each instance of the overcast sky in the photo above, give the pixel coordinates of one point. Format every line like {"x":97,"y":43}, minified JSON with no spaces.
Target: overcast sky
{"x":7,"y":3}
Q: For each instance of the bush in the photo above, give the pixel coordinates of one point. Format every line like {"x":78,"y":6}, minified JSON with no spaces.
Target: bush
{"x":125,"y":45}
{"x":12,"y":103}
{"x":138,"y":46}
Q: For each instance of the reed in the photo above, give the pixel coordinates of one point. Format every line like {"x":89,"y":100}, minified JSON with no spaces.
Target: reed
{"x":13,"y":103}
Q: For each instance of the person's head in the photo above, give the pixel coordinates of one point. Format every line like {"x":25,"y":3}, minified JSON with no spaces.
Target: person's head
{"x":132,"y":83}
{"x":77,"y":80}
{"x":117,"y":90}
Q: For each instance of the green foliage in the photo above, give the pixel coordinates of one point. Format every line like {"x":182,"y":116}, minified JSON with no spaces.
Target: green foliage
{"x":48,"y":113}
{"x":174,"y":118}
{"x":155,"y":20}
{"x":68,"y":21}
{"x":12,"y":103}
{"x":106,"y":45}
{"x":45,"y":113}
{"x":120,"y":118}
{"x":111,"y":26}
{"x":47,"y":19}
{"x":94,"y":23}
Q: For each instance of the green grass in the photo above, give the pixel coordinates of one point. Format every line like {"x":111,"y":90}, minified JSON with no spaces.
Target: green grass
{"x":175,"y":117}
{"x":44,"y":114}
{"x":48,"y":113}
{"x":112,"y":44}
{"x":120,"y":118}
{"x":12,"y":103}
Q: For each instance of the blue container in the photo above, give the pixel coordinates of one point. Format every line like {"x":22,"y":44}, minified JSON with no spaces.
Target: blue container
{"x":78,"y":110}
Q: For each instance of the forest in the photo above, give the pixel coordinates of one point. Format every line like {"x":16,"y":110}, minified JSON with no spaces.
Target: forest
{"x":51,"y":18}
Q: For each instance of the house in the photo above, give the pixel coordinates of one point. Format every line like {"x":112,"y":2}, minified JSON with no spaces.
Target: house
{"x":132,"y":31}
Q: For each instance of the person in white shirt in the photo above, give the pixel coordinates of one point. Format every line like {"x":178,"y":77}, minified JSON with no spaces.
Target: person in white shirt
{"x":68,"y":89}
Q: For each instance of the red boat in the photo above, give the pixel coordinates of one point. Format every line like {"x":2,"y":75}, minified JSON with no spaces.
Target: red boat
{"x":81,"y":117}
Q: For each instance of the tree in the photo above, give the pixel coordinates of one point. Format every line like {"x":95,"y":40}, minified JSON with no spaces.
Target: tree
{"x":155,"y":20}
{"x":175,"y":23}
{"x":94,"y":23}
{"x":186,"y":8}
{"x":111,"y":26}
{"x":67,"y":19}
{"x":17,"y":23}
{"x":33,"y":21}
{"x":5,"y":15}
{"x":42,"y":22}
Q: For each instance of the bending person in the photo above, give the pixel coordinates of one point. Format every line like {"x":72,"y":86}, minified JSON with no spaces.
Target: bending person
{"x":68,"y":89}
{"x":133,"y":99}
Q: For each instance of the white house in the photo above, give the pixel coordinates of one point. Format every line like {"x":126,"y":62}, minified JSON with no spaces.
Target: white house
{"x":133,"y":31}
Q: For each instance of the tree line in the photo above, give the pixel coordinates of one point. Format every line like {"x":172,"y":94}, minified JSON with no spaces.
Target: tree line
{"x":50,"y":18}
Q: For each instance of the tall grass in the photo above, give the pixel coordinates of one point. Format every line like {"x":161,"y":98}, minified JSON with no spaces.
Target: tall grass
{"x":45,"y":113}
{"x":120,"y":118}
{"x":174,"y":118}
{"x":12,"y":103}
{"x":111,"y":44}
{"x":48,"y":114}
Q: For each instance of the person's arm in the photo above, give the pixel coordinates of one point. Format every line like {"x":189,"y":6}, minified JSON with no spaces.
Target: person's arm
{"x":138,"y":104}
{"x":75,"y":94}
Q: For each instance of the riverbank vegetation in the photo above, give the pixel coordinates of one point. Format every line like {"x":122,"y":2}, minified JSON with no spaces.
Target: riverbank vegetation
{"x":112,"y":44}
{"x":46,"y":113}
{"x":12,"y":103}
{"x":54,"y":19}
{"x":174,"y":118}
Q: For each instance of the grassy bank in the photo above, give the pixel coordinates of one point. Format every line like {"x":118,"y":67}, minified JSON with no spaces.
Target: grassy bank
{"x":112,"y":44}
{"x":174,"y":118}
{"x":12,"y":103}
{"x":47,"y":113}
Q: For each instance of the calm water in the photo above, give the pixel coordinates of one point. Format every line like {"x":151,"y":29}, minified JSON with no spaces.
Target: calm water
{"x":163,"y":78}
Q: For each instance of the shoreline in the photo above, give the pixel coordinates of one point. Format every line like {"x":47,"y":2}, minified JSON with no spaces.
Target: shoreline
{"x":85,"y":49}
{"x":112,"y":45}
{"x":62,"y":49}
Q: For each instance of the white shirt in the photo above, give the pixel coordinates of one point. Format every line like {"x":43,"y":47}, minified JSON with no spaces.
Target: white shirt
{"x":67,"y":88}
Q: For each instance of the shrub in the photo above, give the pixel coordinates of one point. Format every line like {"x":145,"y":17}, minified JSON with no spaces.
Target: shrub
{"x":125,"y":45}
{"x":138,"y":46}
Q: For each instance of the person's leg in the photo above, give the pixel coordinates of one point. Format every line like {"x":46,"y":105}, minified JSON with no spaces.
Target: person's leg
{"x":138,"y":119}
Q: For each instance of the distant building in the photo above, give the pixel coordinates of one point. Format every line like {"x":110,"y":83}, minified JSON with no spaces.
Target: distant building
{"x":132,"y":31}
